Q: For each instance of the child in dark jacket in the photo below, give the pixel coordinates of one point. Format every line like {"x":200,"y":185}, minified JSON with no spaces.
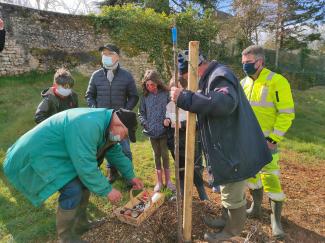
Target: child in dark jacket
{"x":169,"y":123}
{"x":152,"y":114}
{"x":57,"y":98}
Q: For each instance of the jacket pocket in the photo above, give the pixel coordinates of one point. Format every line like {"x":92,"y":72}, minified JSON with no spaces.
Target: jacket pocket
{"x":230,"y":162}
{"x":33,"y":179}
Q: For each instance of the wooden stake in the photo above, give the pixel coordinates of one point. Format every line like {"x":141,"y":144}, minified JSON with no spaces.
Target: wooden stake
{"x":190,"y":142}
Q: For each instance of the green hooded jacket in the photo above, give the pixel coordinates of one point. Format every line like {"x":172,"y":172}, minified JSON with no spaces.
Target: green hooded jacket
{"x":61,"y":148}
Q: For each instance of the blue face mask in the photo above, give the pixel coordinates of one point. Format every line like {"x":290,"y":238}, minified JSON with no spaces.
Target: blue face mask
{"x":107,"y":61}
{"x":249,"y":68}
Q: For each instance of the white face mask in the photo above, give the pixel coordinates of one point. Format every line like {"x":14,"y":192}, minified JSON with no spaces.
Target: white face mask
{"x":62,"y":91}
{"x":114,"y":138}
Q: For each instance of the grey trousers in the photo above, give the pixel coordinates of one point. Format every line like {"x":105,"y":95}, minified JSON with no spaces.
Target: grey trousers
{"x":160,"y":151}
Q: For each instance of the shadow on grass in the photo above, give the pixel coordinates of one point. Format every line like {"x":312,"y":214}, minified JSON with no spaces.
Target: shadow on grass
{"x":23,"y":222}
{"x":20,"y":221}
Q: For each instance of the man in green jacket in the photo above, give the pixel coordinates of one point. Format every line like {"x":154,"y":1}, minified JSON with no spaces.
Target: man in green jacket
{"x":63,"y":153}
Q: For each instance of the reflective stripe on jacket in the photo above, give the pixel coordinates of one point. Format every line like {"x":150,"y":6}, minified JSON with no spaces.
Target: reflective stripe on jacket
{"x":271,"y":99}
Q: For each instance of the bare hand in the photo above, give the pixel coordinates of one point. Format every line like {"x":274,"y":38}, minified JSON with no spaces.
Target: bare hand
{"x":137,"y":183}
{"x":271,"y":145}
{"x":174,"y":93}
{"x":174,"y":125}
{"x":1,"y":24}
{"x":166,"y":122}
{"x":114,"y":196}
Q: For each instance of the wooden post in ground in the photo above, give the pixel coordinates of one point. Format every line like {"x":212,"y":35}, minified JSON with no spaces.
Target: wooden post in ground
{"x":190,"y":143}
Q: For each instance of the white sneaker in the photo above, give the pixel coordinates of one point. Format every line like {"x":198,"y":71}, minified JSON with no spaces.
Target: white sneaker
{"x":158,"y":187}
{"x":216,"y":189}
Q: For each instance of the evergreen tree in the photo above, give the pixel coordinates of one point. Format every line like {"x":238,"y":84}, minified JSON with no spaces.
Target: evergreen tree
{"x":291,"y":20}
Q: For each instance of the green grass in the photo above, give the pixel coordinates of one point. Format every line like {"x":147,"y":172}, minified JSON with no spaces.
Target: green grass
{"x":307,"y":135}
{"x":19,"y":220}
{"x":19,"y":97}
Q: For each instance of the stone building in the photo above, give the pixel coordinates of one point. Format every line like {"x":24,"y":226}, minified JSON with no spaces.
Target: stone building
{"x":43,"y":40}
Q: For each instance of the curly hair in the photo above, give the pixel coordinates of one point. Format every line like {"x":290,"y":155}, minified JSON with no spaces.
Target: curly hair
{"x":153,"y":76}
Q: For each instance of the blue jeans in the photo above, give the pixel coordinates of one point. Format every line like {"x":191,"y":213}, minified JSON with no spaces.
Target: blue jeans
{"x":71,"y":194}
{"x":125,"y":144}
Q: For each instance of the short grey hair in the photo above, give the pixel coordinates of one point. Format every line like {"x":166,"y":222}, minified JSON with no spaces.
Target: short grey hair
{"x":256,"y":51}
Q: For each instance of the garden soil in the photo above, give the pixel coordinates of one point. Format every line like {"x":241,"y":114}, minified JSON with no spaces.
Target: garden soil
{"x":303,"y":215}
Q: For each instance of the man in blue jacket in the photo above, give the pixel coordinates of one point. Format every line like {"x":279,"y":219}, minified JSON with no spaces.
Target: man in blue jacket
{"x":232,"y":140}
{"x":2,"y":35}
{"x":63,"y":153}
{"x":112,"y":87}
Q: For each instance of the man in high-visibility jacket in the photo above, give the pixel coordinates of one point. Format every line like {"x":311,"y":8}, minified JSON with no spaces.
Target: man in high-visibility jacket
{"x":270,"y":96}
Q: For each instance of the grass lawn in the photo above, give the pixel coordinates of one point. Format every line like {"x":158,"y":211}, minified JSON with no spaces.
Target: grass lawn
{"x":19,"y":97}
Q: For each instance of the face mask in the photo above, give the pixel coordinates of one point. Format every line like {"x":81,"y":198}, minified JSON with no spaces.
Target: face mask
{"x":108,"y":62}
{"x":249,"y":68}
{"x":114,"y":138}
{"x":151,"y":88}
{"x":62,"y":91}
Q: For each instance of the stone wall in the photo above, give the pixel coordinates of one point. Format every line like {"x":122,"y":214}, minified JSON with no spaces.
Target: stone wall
{"x":42,"y":40}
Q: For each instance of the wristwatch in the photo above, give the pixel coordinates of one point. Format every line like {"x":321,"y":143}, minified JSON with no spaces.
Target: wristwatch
{"x":270,"y":140}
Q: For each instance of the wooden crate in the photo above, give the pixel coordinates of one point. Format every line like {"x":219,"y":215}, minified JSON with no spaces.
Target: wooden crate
{"x":154,"y":205}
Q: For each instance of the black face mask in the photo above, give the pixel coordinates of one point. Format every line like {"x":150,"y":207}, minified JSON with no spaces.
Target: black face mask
{"x":249,"y":68}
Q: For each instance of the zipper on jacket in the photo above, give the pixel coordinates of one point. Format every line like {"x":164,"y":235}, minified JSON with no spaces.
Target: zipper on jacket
{"x":204,"y":143}
{"x":218,"y":144}
{"x":110,"y":93}
{"x":110,"y":89}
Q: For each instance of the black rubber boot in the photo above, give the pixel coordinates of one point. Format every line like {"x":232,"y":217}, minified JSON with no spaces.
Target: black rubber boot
{"x":255,"y":210}
{"x":277,"y":230}
{"x":181,"y":180}
{"x":217,"y":223}
{"x":234,"y":226}
{"x":199,"y":183}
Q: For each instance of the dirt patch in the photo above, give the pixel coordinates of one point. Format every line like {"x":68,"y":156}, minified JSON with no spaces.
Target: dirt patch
{"x":303,"y":214}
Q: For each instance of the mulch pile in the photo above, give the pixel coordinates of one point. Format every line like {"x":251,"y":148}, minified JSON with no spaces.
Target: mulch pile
{"x":303,"y":216}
